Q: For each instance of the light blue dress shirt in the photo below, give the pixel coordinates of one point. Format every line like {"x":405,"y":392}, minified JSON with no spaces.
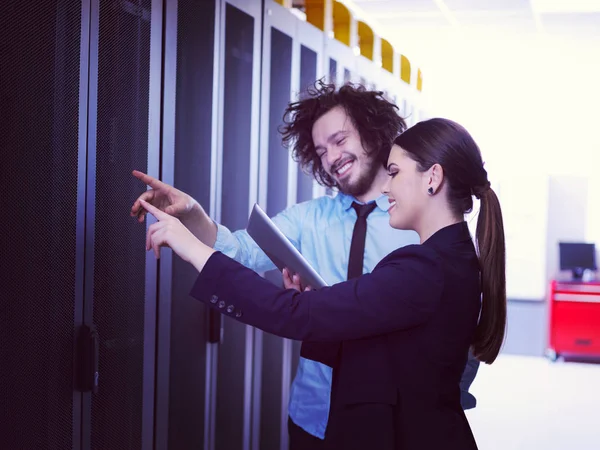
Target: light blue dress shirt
{"x":321,"y":229}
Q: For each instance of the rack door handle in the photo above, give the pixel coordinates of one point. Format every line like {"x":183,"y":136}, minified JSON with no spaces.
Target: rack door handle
{"x":89,"y":355}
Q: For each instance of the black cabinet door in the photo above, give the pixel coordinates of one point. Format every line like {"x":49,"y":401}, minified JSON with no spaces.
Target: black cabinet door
{"x":186,"y":162}
{"x":120,"y":280}
{"x":41,"y":185}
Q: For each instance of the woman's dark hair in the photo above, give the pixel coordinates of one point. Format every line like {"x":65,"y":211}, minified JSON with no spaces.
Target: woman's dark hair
{"x":375,"y":118}
{"x":448,"y":144}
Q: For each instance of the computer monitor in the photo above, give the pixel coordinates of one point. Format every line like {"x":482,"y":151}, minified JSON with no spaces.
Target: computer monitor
{"x":577,"y":257}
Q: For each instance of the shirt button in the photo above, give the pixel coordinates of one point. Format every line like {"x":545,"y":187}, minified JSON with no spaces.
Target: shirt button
{"x":221,"y":303}
{"x":214,"y":299}
{"x":238,"y":313}
{"x":230,"y":309}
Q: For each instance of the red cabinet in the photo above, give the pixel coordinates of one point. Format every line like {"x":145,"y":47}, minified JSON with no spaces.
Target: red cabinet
{"x":574,"y":319}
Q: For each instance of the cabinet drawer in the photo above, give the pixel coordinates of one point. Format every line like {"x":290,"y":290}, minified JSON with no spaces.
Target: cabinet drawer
{"x":575,"y":326}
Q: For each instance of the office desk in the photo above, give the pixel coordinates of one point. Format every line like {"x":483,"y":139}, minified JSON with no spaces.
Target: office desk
{"x":574,"y":319}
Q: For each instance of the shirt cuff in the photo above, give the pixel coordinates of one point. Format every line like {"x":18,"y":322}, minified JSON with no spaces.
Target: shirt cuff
{"x":226,"y":241}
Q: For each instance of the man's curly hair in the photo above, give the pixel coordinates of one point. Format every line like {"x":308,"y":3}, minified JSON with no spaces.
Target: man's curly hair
{"x":376,"y":120}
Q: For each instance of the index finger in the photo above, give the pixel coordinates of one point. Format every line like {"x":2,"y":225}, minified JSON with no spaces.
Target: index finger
{"x":147,"y":179}
{"x":160,"y":215}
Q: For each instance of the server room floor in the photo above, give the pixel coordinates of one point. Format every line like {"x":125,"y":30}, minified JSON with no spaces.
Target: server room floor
{"x":527,"y":403}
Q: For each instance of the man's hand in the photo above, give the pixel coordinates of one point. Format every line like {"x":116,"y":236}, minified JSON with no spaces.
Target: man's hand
{"x":293,"y":282}
{"x":164,"y":197}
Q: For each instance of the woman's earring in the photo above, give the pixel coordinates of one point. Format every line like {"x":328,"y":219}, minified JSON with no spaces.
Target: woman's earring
{"x":430,"y":191}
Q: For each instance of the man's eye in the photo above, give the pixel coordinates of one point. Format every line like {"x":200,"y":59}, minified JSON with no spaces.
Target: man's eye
{"x":341,"y":141}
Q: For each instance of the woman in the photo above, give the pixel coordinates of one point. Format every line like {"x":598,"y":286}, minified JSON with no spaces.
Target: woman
{"x":407,"y":326}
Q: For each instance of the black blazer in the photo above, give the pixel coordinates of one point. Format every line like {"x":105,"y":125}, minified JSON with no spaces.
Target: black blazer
{"x":405,"y":328}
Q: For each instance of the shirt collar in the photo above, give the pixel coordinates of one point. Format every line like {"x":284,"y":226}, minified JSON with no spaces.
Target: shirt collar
{"x":346,"y":201}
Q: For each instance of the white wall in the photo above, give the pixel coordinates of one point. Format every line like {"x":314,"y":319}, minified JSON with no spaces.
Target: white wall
{"x":533,"y":105}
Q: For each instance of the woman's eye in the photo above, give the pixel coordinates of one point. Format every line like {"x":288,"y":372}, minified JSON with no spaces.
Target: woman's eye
{"x":392,"y":174}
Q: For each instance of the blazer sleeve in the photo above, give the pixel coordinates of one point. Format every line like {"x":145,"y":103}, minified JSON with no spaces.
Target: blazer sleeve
{"x":403,"y":291}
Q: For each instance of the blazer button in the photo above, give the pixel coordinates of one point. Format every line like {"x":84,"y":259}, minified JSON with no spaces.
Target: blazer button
{"x":230,"y":309}
{"x":238,"y":313}
{"x":221,"y":304}
{"x":214,"y":299}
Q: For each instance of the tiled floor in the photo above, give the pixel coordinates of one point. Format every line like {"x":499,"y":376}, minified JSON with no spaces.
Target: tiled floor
{"x":529,"y":403}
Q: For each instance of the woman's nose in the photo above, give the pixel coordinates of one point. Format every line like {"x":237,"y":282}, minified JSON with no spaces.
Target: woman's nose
{"x":385,"y":189}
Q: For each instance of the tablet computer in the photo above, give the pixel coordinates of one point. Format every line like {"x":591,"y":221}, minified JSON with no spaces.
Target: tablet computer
{"x":279,"y":249}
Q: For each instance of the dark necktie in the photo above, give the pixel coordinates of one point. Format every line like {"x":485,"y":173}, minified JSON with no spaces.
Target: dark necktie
{"x":327,"y":352}
{"x":357,"y":247}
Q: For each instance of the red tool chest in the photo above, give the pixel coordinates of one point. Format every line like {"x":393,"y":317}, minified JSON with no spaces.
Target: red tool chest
{"x":574,"y":319}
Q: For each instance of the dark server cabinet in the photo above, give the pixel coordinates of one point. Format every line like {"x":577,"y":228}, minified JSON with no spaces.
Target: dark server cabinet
{"x":239,"y":88}
{"x":78,"y":291}
{"x":184,"y":360}
{"x":41,"y":171}
{"x":234,"y":373}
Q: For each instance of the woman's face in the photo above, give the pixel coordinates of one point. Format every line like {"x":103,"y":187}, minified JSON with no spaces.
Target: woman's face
{"x":406,"y":189}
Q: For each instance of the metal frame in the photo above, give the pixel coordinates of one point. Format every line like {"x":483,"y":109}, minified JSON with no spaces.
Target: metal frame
{"x":216,"y":173}
{"x":212,"y":349}
{"x":167,"y":175}
{"x":90,"y":212}
{"x":84,"y":62}
{"x":151,"y":294}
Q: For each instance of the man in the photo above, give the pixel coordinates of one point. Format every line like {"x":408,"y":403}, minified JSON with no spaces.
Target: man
{"x":344,"y":137}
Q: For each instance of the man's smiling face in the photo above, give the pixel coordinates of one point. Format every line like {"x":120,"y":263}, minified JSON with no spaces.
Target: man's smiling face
{"x":342,"y":154}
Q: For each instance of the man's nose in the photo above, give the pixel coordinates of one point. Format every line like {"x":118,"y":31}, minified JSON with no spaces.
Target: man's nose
{"x":333,"y":155}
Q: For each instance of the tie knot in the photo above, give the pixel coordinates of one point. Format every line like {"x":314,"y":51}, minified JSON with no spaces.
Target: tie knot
{"x":364,"y":210}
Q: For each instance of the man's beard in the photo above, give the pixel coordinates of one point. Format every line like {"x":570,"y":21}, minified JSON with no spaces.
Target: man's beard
{"x":362,"y":185}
